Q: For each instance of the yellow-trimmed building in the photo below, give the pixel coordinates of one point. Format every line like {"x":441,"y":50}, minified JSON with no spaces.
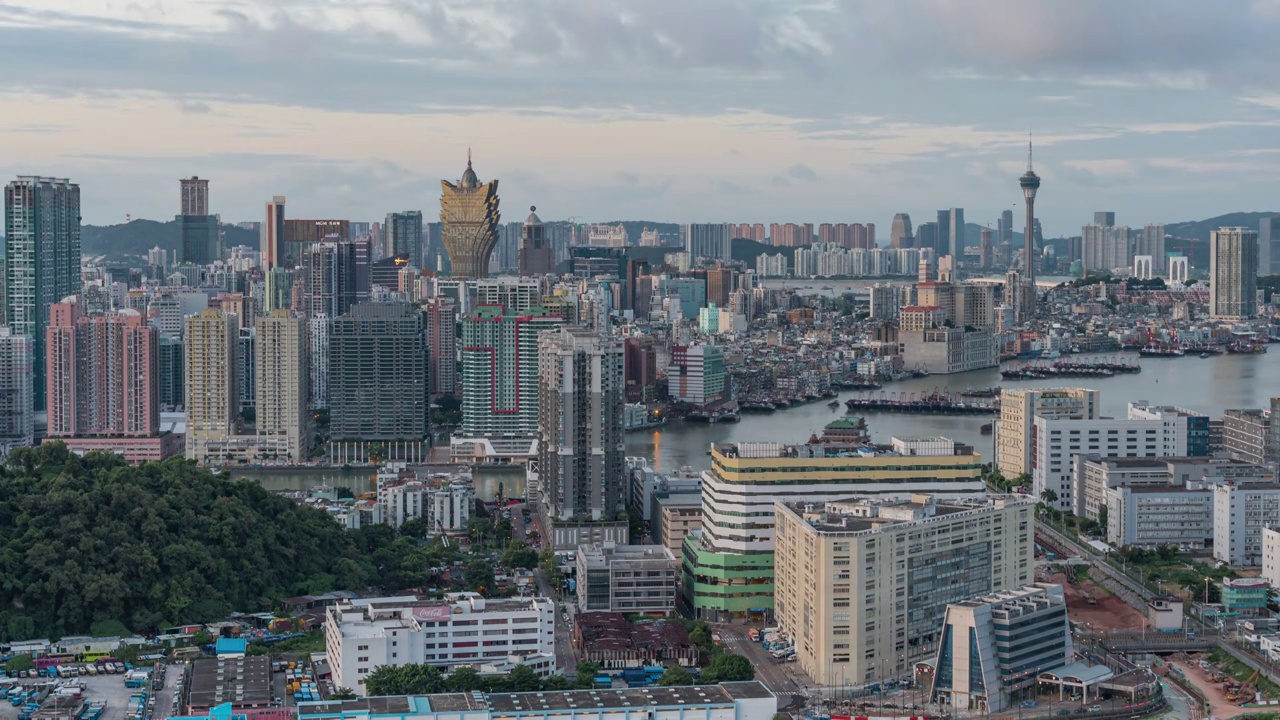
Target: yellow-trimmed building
{"x":728,"y":566}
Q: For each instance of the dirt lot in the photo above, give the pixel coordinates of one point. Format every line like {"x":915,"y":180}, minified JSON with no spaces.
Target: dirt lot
{"x":1219,"y":706}
{"x":1109,"y":612}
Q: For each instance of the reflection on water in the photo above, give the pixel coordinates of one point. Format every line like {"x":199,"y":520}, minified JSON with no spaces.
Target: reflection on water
{"x":489,"y":480}
{"x":1208,"y":385}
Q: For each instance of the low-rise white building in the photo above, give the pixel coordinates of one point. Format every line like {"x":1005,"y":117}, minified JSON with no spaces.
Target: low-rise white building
{"x":1160,"y":515}
{"x":1240,"y":511}
{"x":1271,"y":555}
{"x":463,"y":629}
{"x":626,"y":578}
{"x":1059,"y":440}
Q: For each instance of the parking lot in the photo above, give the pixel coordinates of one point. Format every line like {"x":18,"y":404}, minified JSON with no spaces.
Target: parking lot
{"x":111,"y":689}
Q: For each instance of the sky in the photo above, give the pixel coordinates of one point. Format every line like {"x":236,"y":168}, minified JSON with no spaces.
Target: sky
{"x":668,"y":110}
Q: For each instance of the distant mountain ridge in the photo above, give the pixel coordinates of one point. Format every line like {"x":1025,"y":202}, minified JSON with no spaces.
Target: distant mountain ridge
{"x":139,"y":236}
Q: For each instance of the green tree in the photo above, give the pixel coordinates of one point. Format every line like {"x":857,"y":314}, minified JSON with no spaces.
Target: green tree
{"x":464,"y":679}
{"x":519,"y":556}
{"x":478,"y":577}
{"x":414,"y":528}
{"x":1103,"y":517}
{"x":728,"y":667}
{"x":701,"y":636}
{"x":585,"y":674}
{"x":20,"y":663}
{"x":522,"y":678}
{"x":675,"y":675}
{"x":342,"y":694}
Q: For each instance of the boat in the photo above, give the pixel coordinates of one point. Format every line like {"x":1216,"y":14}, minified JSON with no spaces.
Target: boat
{"x":833,"y":404}
{"x":1160,"y":351}
{"x":987,"y":428}
{"x":1205,"y":355}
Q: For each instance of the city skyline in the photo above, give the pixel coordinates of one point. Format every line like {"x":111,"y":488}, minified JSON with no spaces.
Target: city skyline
{"x":760,"y":122}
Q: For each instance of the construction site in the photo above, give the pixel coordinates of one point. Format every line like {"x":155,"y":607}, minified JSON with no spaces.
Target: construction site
{"x":1230,"y":688}
{"x":1090,"y":605}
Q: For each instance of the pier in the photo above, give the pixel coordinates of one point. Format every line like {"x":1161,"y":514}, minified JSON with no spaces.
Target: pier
{"x":935,"y":403}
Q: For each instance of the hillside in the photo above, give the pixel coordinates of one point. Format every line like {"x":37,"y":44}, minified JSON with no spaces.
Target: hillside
{"x":1200,"y":229}
{"x":635,"y":227}
{"x":139,"y":236}
{"x":90,"y":539}
{"x":748,"y":250}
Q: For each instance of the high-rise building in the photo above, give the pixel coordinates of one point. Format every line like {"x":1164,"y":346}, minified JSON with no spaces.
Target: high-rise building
{"x":102,"y":373}
{"x":1004,"y":239}
{"x":500,"y":371}
{"x":318,"y":351}
{"x":927,"y":236}
{"x":1151,"y":242}
{"x":986,"y":248}
{"x":271,"y":236}
{"x":976,"y":668}
{"x":708,"y":240}
{"x":195,"y":196}
{"x":1233,"y":273}
{"x":729,"y":567}
{"x":515,"y":295}
{"x":955,"y":226}
{"x":944,"y":232}
{"x":335,"y":276}
{"x":851,"y":629}
{"x":1030,"y":183}
{"x":403,"y":234}
{"x":278,"y":293}
{"x":1106,"y":247}
{"x":1105,"y":218}
{"x":469,"y":216}
{"x":17,"y":421}
{"x":41,"y":259}
{"x":900,"y":232}
{"x":246,"y":369}
{"x":697,"y":376}
{"x":580,"y":438}
{"x":211,"y":341}
{"x":281,"y":392}
{"x":173,"y":377}
{"x":1015,"y":443}
{"x":442,"y":346}
{"x":378,"y":401}
{"x":536,"y":256}
{"x":1269,"y":246}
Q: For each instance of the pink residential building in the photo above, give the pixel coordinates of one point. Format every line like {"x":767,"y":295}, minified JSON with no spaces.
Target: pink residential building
{"x":103,"y":383}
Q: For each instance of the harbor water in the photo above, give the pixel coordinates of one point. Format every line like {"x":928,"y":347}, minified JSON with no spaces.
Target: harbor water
{"x":1206,"y":385}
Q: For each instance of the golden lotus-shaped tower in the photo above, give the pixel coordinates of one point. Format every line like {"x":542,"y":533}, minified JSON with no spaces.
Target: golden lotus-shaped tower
{"x":469,"y":219}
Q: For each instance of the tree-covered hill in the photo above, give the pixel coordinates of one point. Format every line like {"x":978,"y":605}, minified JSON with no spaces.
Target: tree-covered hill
{"x":92,"y":539}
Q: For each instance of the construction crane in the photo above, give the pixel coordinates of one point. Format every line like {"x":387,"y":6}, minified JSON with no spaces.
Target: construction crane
{"x":1246,"y":691}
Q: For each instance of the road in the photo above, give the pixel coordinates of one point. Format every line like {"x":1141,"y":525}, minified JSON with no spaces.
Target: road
{"x":784,"y":679}
{"x":1125,"y":587}
{"x":566,"y":654}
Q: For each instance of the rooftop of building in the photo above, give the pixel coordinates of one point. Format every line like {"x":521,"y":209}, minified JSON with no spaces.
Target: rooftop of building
{"x":1017,"y":595}
{"x":603,"y":554}
{"x":764,"y":450}
{"x":693,"y":695}
{"x":856,"y":515}
{"x":539,"y":702}
{"x":241,"y":680}
{"x":612,"y":631}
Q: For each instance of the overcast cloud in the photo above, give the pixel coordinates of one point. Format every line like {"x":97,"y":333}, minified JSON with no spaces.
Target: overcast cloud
{"x":679,"y":110}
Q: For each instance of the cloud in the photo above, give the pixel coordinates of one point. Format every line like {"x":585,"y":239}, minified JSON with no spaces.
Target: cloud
{"x":802,"y":172}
